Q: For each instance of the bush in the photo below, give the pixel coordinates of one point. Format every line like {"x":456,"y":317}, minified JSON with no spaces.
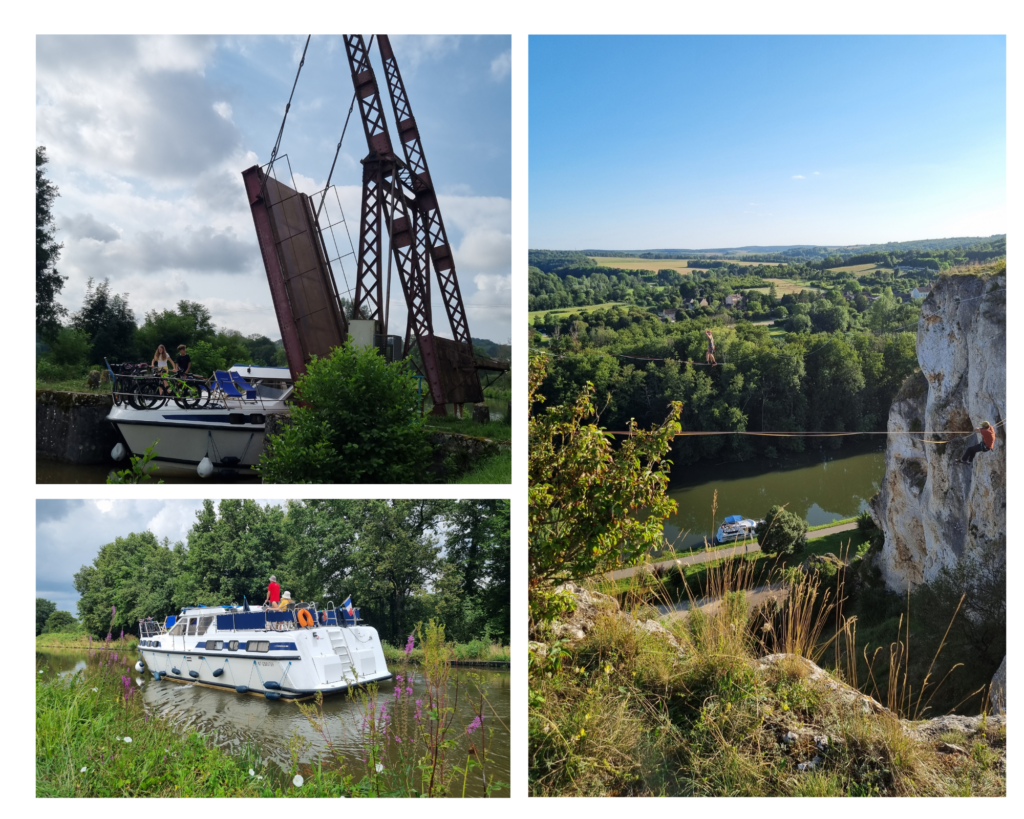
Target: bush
{"x":358,"y":422}
{"x":781,"y":532}
{"x":60,"y":621}
{"x":48,"y":371}
{"x":71,"y":347}
{"x":866,"y":523}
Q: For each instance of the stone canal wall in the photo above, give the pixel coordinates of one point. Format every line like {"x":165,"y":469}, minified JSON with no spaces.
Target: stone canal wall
{"x":71,"y":427}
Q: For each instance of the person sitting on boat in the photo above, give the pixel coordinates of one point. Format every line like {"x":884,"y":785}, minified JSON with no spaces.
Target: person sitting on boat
{"x":162,"y":362}
{"x":286,"y":602}
{"x":273,"y":592}
{"x":988,"y":441}
{"x":709,"y":356}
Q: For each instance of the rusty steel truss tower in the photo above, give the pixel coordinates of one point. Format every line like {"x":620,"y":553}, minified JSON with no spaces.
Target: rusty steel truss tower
{"x":399,"y":197}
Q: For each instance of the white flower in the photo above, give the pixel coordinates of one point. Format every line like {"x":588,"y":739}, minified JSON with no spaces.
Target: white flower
{"x":84,"y":769}
{"x":252,"y":772}
{"x":258,"y":778}
{"x":40,"y":671}
{"x":127,"y":739}
{"x":380,"y":768}
{"x":95,"y":689}
{"x":297,"y":781}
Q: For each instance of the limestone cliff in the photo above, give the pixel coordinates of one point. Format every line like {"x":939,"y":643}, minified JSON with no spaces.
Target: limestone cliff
{"x":932,"y":509}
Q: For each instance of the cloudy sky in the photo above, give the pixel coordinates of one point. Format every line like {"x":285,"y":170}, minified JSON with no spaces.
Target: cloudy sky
{"x":70,"y":533}
{"x":148,"y":136}
{"x":767,"y":140}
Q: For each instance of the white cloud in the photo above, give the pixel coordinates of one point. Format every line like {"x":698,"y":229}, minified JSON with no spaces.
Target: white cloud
{"x":223,"y":109}
{"x":799,"y":176}
{"x":501,"y":66}
{"x":816,"y":173}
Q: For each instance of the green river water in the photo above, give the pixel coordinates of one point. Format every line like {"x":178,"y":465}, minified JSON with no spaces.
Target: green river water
{"x":820,"y":486}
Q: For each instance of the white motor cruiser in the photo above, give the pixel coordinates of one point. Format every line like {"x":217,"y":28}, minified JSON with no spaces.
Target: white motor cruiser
{"x":736,"y":527}
{"x":217,"y":425}
{"x":277,"y":654}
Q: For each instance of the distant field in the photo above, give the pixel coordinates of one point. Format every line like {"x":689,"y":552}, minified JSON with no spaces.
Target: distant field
{"x":590,"y":308}
{"x":861,"y":269}
{"x":630,"y":263}
{"x":784,"y":286}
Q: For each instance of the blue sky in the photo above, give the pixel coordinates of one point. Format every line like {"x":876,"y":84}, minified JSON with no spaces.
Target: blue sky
{"x":704,"y":141}
{"x":148,"y":137}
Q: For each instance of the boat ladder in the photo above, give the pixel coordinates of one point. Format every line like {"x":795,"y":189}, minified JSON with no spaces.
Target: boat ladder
{"x":339,"y":646}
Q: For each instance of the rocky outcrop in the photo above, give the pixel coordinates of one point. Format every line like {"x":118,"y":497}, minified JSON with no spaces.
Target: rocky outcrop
{"x":997,"y":691}
{"x":932,"y":509}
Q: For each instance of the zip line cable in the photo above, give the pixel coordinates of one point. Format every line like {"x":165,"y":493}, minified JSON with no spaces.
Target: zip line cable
{"x":956,"y":435}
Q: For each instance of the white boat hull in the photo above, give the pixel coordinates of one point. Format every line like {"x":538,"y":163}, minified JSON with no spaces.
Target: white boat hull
{"x":298,"y":664}
{"x":182,"y":438}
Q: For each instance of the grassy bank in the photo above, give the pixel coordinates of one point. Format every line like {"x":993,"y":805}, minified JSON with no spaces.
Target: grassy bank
{"x":479,"y":650}
{"x":495,"y":469}
{"x":628,"y":711}
{"x":495,"y":430}
{"x":84,"y":642}
{"x":94,"y":738}
{"x":697,"y":580}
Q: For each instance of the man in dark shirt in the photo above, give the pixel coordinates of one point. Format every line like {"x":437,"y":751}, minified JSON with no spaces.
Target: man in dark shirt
{"x":184,"y":362}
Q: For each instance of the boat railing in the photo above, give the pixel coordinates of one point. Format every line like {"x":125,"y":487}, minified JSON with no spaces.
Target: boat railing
{"x":284,"y":620}
{"x":143,"y":387}
{"x":150,"y":628}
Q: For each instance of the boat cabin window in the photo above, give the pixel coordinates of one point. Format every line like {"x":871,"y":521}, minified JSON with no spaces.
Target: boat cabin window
{"x":191,"y":626}
{"x":233,"y":645}
{"x":178,"y":630}
{"x":214,"y":645}
{"x":258,"y":645}
{"x":204,"y":624}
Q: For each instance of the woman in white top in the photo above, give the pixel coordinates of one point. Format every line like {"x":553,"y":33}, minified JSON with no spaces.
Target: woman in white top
{"x":163,"y":361}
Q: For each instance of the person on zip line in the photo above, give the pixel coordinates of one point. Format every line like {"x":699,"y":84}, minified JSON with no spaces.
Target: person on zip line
{"x":988,"y":441}
{"x":709,"y":356}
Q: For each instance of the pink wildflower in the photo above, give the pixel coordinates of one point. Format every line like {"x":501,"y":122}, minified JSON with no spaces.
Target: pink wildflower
{"x":473,"y":725}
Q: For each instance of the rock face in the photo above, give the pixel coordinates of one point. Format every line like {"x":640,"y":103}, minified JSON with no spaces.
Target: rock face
{"x":932,"y":509}
{"x":997,"y":692}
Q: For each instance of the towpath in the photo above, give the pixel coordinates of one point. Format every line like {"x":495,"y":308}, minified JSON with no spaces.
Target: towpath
{"x":718,"y":554}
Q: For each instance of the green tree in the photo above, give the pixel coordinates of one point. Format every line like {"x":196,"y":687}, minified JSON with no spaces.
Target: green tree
{"x":593,"y":505}
{"x":49,"y":282}
{"x":129,"y":579}
{"x":60,"y":621}
{"x":398,"y":555}
{"x":44,"y":608}
{"x":108,"y":321}
{"x":800,"y":323}
{"x":231,"y":553}
{"x":322,"y":538}
{"x":781,"y":532}
{"x":356,"y":421}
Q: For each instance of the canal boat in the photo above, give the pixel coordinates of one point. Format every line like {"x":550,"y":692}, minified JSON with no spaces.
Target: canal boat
{"x":280,"y":655}
{"x":221,"y":431}
{"x":736,"y":527}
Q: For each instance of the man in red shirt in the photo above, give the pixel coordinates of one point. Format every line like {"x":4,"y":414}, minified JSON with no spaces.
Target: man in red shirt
{"x":273,"y":591}
{"x":988,"y":440}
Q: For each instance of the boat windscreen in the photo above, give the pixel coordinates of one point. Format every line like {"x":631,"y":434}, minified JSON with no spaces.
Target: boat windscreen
{"x":270,"y":393}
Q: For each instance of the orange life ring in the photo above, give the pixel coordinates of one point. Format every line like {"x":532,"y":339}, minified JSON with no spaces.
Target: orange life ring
{"x":305,"y":618}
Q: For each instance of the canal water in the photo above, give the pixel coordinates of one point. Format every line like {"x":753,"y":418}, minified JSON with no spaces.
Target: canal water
{"x":820,"y":486}
{"x":233,"y":719}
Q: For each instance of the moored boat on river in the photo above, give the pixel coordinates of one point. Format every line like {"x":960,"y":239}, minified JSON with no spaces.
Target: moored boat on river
{"x":736,"y":527}
{"x":218,"y":425}
{"x":276,"y":654}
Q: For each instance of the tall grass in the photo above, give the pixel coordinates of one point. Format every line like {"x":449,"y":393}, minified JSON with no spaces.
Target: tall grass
{"x":628,"y":712}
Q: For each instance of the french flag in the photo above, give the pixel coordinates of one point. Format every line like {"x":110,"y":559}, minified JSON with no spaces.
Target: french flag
{"x":347,"y":606}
